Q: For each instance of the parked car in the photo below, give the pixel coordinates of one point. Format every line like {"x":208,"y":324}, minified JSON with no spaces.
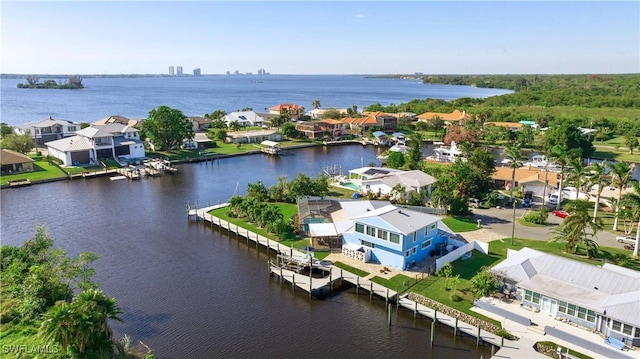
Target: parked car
{"x":560,"y":213}
{"x":475,"y":203}
{"x":626,"y":239}
{"x":553,"y":199}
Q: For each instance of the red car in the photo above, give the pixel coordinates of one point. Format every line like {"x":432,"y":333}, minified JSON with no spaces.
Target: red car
{"x":560,"y":213}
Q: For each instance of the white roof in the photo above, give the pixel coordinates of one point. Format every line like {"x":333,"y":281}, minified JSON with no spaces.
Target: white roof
{"x":410,"y":179}
{"x":270,"y":143}
{"x":46,"y":123}
{"x":243,"y":116}
{"x":108,"y":130}
{"x":70,"y":144}
{"x":322,"y":230}
{"x":610,"y":288}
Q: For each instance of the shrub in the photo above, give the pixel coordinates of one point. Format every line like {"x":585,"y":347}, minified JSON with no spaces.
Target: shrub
{"x":537,"y":217}
{"x":455,"y":298}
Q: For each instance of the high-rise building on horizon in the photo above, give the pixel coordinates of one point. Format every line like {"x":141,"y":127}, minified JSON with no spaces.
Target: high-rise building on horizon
{"x":171,"y":71}
{"x":179,"y":70}
{"x":197,"y":72}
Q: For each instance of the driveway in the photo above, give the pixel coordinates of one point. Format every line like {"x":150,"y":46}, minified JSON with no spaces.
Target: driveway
{"x":497,"y":224}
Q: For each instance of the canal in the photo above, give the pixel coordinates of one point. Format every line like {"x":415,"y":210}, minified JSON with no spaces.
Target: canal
{"x":190,"y":292}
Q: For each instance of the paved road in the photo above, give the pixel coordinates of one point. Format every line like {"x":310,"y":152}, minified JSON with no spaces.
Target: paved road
{"x":499,"y":221}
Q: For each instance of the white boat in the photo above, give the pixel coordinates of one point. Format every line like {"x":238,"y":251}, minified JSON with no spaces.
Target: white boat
{"x":540,"y":161}
{"x":446,"y":154}
{"x":117,"y":178}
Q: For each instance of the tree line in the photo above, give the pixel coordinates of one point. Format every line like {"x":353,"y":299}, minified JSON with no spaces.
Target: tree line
{"x":52,"y":296}
{"x":33,"y":82}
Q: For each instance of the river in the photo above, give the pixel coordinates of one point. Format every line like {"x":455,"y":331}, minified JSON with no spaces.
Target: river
{"x":188,"y":291}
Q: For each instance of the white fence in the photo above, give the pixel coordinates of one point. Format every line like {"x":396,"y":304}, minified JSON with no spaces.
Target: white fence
{"x":460,"y":251}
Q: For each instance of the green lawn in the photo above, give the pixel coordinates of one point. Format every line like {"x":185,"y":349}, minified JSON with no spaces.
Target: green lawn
{"x":289,"y":239}
{"x":460,"y":224}
{"x":42,"y":170}
{"x":434,"y":287}
{"x":399,"y":282}
{"x":356,"y":271}
{"x":612,"y":255}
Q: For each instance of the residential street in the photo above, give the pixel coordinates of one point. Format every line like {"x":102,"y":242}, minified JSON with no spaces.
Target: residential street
{"x":496,"y":224}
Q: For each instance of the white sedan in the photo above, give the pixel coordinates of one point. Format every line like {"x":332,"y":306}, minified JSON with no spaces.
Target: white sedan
{"x":626,"y":239}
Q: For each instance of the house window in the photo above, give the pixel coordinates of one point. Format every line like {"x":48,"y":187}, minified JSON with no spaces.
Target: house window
{"x":426,"y":244}
{"x":572,"y":310}
{"x":591,"y":316}
{"x":616,"y":325}
{"x":415,"y":249}
{"x":432,"y":227}
{"x":582,"y":313}
{"x":627,"y":329}
{"x":562,"y":307}
{"x":359,"y":227}
{"x":407,"y":253}
{"x":367,"y":244}
{"x":382,"y":234}
{"x":536,"y":298}
{"x":394,"y":238}
{"x":71,"y":128}
{"x":415,"y":236}
{"x":371,"y":231}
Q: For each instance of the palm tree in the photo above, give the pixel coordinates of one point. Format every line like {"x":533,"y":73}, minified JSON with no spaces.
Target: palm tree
{"x":598,"y":177}
{"x":315,"y":104}
{"x":513,"y":153}
{"x":632,"y":200}
{"x":562,"y":157}
{"x":577,"y":174}
{"x":58,"y":325}
{"x":573,"y":229}
{"x":81,"y":327}
{"x":620,"y":176}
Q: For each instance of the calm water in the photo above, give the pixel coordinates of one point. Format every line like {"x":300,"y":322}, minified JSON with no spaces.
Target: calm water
{"x":191,"y":292}
{"x":195,"y":96}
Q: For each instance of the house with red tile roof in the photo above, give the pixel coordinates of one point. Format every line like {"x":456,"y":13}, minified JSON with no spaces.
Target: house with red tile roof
{"x":295,"y":111}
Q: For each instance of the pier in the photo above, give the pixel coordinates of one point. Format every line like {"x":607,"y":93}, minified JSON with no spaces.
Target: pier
{"x":318,"y":279}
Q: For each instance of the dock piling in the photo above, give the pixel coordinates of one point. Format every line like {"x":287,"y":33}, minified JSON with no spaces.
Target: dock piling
{"x":389,"y":315}
{"x":433,"y":331}
{"x":455,"y":328}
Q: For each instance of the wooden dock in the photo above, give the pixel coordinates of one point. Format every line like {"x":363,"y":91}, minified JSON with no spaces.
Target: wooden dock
{"x":20,"y":183}
{"x":285,"y":269}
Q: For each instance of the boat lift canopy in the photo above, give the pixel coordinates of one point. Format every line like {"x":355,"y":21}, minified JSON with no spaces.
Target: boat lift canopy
{"x":271,"y":144}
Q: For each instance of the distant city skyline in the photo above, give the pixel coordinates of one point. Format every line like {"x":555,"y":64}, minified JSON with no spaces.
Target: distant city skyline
{"x":308,"y":37}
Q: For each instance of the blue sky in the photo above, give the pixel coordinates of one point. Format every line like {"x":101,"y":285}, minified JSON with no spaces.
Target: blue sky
{"x":320,"y":37}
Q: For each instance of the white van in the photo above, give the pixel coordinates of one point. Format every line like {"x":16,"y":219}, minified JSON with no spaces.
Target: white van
{"x":553,"y":198}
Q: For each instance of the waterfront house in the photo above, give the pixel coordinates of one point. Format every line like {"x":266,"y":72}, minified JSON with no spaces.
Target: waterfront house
{"x":358,"y":125}
{"x":295,"y":111}
{"x":603,"y":299}
{"x":48,"y":130}
{"x":392,"y":236}
{"x":199,"y":124}
{"x":253,"y":136}
{"x":454,"y":118}
{"x":14,"y":162}
{"x":387,"y":122}
{"x":313,"y":130}
{"x":98,"y":142}
{"x":373,"y":231}
{"x":119,"y":119}
{"x":382,"y":180}
{"x":244,"y":118}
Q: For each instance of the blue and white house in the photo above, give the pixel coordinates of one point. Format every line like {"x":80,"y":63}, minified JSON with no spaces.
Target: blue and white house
{"x":392,"y":236}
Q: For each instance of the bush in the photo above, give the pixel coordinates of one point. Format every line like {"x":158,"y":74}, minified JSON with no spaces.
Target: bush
{"x":504,"y":333}
{"x":537,"y":217}
{"x":455,"y":298}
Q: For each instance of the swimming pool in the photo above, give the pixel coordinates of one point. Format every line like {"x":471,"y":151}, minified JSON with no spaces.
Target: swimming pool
{"x":351,"y":185}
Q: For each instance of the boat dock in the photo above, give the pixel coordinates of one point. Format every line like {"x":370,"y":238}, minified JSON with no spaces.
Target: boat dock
{"x":319,"y":278}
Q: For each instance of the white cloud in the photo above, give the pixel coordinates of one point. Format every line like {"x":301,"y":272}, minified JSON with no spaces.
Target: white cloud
{"x":360,"y":16}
